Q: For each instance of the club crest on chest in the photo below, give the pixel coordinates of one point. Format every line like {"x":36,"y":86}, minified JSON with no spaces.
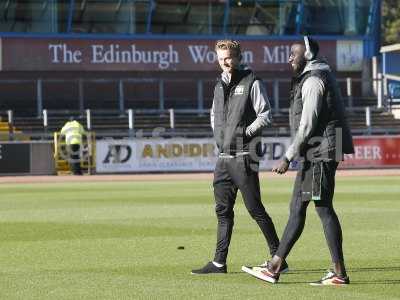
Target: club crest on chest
{"x":239,"y":90}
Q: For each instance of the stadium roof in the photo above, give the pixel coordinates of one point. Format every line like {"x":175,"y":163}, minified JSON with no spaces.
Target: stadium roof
{"x":390,"y":48}
{"x":391,"y":61}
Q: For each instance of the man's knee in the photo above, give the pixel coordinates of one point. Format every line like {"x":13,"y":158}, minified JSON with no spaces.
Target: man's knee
{"x":325,"y":212}
{"x":298,"y":210}
{"x":224,"y":211}
{"x":258,"y":214}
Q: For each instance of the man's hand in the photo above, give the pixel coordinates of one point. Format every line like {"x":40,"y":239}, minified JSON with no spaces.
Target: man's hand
{"x":249,"y":132}
{"x":282,"y":167}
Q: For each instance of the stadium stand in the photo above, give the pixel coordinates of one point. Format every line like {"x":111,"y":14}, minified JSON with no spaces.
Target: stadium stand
{"x":151,"y":94}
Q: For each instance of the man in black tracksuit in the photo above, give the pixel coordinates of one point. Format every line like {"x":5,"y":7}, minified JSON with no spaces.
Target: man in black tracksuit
{"x":240,"y":111}
{"x":321,"y":137}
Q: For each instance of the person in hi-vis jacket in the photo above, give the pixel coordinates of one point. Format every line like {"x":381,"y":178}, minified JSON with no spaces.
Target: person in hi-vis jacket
{"x":73,"y":131}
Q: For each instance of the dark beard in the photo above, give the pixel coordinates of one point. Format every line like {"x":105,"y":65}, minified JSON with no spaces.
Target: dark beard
{"x":300,"y":70}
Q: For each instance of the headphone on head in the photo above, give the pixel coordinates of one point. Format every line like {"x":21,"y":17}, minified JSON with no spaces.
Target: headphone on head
{"x":308,"y":54}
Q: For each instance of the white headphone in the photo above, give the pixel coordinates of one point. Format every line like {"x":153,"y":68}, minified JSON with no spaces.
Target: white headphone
{"x":308,"y":53}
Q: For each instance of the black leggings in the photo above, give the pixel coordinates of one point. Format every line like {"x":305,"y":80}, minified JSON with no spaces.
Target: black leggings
{"x":325,"y":210}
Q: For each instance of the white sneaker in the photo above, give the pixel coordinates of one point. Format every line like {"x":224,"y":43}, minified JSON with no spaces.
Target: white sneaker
{"x":284,"y":267}
{"x":262,"y":272}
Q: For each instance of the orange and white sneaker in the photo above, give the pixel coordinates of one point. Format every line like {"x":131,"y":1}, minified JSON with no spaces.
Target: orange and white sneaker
{"x":264,"y":272}
{"x":331,"y":278}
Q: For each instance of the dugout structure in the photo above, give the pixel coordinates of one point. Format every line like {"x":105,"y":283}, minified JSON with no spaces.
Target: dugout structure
{"x":87,"y":153}
{"x":391,"y":77}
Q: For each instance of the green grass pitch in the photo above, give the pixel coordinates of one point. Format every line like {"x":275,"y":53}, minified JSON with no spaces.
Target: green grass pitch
{"x":119,"y":240}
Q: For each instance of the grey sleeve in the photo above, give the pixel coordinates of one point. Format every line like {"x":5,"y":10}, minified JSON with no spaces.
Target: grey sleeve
{"x":261,"y":106}
{"x":212,"y":116}
{"x":312,"y":93}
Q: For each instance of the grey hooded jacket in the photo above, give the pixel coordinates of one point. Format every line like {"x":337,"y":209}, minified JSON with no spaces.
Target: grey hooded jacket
{"x":317,"y":116}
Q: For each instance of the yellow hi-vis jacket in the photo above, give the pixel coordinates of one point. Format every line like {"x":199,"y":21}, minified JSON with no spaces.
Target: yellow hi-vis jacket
{"x":73,"y":131}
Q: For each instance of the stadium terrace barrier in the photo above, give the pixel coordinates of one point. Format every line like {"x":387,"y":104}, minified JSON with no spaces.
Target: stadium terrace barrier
{"x":374,"y":152}
{"x":180,"y":154}
{"x":26,"y":158}
{"x":169,"y":155}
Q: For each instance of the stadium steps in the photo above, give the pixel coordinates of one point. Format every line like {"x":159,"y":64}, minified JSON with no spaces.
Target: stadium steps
{"x":365,"y":101}
{"x":6,"y":132}
{"x":62,"y":167}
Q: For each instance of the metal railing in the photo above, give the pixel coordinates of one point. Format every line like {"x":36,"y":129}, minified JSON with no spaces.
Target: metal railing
{"x":168,"y":127}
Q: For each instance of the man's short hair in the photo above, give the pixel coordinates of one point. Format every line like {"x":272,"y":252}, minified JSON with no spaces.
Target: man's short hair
{"x":229,"y":45}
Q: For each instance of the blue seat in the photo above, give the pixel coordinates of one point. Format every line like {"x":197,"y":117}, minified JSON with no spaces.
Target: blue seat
{"x":394,"y":92}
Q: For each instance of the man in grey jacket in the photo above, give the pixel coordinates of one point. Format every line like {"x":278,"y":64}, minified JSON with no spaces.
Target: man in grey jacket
{"x":321,"y":137}
{"x":240,"y":111}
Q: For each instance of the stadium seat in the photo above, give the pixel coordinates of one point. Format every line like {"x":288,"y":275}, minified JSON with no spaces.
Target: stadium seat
{"x":394,"y":92}
{"x":26,"y":16}
{"x":103,"y":16}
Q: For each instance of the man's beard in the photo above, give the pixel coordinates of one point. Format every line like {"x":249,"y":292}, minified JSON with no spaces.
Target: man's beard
{"x":300,"y":69}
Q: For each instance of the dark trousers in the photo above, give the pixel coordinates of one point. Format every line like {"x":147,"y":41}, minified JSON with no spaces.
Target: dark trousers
{"x":314,"y":181}
{"x":230,"y":175}
{"x":75,"y":160}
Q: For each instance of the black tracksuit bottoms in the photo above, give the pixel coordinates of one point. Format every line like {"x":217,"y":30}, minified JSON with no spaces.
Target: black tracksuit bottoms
{"x":231,"y":174}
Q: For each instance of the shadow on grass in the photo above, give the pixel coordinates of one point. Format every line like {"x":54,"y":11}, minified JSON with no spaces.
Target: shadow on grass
{"x":352,"y":282}
{"x":358,"y":282}
{"x":382,"y":281}
{"x":350,"y":270}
